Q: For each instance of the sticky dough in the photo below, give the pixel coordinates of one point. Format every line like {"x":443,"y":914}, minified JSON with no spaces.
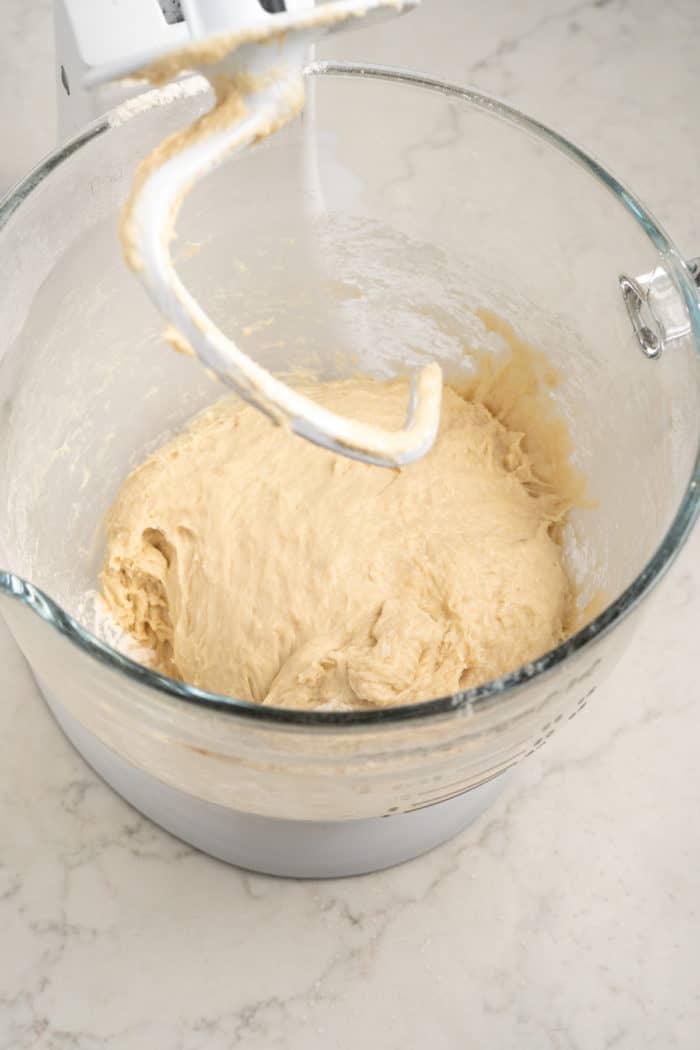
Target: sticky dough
{"x":257,"y":565}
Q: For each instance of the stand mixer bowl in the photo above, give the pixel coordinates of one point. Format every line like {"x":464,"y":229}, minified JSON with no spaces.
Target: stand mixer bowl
{"x":385,"y":238}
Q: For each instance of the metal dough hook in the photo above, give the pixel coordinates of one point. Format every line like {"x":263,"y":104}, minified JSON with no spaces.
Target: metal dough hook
{"x":255,"y":65}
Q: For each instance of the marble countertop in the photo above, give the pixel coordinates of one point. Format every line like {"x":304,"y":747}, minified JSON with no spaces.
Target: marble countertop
{"x":568,"y":916}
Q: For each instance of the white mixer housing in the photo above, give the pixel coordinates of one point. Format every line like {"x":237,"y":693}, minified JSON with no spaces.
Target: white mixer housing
{"x":94,"y":33}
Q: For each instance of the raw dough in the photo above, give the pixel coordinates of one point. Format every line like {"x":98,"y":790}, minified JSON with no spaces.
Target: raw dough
{"x":257,"y":565}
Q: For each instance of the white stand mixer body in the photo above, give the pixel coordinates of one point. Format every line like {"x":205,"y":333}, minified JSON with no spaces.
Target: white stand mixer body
{"x":94,"y":33}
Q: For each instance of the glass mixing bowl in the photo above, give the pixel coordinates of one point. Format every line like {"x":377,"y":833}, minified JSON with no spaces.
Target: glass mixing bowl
{"x":380,"y":225}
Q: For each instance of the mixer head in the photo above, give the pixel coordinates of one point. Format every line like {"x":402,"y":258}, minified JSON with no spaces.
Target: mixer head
{"x":93,"y":34}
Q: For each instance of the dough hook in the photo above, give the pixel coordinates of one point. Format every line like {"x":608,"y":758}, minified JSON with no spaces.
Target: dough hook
{"x":255,"y":65}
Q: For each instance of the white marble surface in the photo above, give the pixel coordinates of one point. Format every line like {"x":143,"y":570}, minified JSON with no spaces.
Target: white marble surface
{"x":568,"y":917}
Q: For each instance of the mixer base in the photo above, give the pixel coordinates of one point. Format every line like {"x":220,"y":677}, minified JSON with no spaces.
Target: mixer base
{"x":292,"y":848}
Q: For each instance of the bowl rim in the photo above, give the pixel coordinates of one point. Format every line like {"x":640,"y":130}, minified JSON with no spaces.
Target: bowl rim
{"x":472,"y":701}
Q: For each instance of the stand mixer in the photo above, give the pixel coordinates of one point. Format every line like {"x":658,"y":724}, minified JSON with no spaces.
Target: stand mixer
{"x":327,"y":794}
{"x":253,"y":53}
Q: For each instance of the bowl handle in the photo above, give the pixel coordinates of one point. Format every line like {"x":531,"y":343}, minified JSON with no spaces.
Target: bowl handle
{"x":657,"y":305}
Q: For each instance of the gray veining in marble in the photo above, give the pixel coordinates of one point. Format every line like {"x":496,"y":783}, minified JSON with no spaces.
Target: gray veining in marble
{"x":568,"y":917}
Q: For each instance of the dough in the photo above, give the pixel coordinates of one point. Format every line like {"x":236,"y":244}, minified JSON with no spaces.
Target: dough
{"x":257,"y":565}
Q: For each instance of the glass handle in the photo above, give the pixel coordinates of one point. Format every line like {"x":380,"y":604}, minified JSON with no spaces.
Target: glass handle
{"x":656,"y":307}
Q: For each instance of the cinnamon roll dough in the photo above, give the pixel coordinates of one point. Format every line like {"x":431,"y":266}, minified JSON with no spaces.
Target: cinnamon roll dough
{"x":257,"y":565}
